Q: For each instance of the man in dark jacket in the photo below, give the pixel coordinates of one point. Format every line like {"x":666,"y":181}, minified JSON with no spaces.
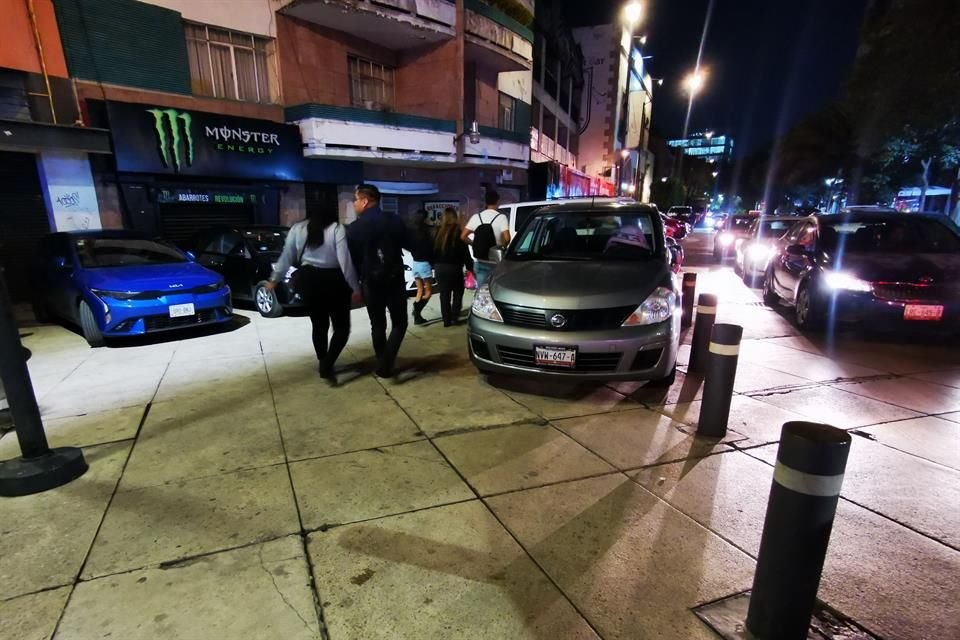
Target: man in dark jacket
{"x":377,"y":240}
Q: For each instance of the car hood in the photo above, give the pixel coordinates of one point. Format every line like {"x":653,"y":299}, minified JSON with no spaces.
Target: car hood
{"x":943,"y":268}
{"x":154,"y":277}
{"x":577,"y":285}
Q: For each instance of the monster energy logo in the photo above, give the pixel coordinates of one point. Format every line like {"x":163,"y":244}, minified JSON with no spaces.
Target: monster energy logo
{"x":170,"y":144}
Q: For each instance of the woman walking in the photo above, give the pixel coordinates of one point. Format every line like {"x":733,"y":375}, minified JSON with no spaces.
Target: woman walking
{"x":422,"y":269}
{"x":450,"y":257}
{"x":325,"y":280}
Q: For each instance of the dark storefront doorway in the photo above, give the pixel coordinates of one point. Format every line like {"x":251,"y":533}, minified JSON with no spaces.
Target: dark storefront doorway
{"x":179,"y":222}
{"x":23,"y":220}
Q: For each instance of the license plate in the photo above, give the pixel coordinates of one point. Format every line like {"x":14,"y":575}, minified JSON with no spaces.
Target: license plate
{"x":932,"y":312}
{"x":556,"y":356}
{"x":182,"y":310}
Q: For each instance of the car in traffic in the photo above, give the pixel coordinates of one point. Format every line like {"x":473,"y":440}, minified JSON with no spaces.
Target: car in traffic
{"x":120,"y":283}
{"x":674,"y":228}
{"x":584,"y":292}
{"x":245,"y":257}
{"x":736,"y":229}
{"x":684,"y":214}
{"x":753,"y":253}
{"x":881,"y":270}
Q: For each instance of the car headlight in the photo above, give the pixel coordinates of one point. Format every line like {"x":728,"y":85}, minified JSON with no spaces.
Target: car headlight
{"x":842,"y":281}
{"x":209,"y":288}
{"x":758,"y":252}
{"x":658,"y":307}
{"x":726,"y":238}
{"x":483,"y":305}
{"x":115,"y":295}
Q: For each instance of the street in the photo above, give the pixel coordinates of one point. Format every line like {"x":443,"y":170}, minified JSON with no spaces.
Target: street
{"x":232,"y":494}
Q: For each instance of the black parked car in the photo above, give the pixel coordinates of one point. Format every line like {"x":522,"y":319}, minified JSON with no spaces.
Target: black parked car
{"x":245,"y":256}
{"x":883,"y":270}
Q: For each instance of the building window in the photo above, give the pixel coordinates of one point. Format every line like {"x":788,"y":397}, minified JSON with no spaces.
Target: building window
{"x":371,"y":84}
{"x":228,"y":64}
{"x":507,"y":112}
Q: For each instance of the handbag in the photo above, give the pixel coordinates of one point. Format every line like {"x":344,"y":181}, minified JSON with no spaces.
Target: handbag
{"x":470,"y":281}
{"x":295,"y":277}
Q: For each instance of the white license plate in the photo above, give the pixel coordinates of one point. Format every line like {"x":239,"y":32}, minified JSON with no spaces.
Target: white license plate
{"x":929,"y":312}
{"x":556,"y":356}
{"x":182,"y":310}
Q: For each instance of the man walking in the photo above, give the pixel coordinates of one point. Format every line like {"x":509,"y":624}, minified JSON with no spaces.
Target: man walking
{"x":485,"y":230}
{"x":376,"y":242}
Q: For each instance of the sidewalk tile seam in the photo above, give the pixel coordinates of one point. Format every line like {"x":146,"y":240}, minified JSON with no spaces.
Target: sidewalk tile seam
{"x":336,"y":525}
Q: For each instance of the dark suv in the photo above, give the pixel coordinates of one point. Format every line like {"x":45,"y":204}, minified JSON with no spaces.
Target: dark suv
{"x":245,"y":256}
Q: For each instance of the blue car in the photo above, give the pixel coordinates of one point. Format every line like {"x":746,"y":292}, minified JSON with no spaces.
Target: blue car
{"x":120,"y":283}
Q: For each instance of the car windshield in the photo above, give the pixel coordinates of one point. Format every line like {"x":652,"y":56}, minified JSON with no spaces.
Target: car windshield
{"x":265,"y":240}
{"x":774,"y":228}
{"x":904,"y":235}
{"x":125,"y":252}
{"x":742,"y":223}
{"x":587,"y":236}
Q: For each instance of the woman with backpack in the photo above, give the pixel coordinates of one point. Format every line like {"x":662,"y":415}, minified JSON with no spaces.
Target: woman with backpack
{"x":450,"y":257}
{"x":325,"y":279}
{"x":422,"y":240}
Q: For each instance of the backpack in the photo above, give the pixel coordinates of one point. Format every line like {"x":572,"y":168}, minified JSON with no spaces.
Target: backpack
{"x":485,"y":238}
{"x":381,"y":265}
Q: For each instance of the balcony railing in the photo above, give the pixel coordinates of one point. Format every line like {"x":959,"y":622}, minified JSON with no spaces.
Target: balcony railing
{"x":506,"y":44}
{"x":414,"y":22}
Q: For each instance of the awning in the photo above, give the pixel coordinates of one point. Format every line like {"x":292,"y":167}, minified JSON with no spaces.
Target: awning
{"x":34,"y":137}
{"x":406,"y":188}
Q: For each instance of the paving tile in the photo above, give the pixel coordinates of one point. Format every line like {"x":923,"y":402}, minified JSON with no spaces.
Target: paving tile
{"x":935,"y":439}
{"x":519,"y":457}
{"x":318,"y":421}
{"x":817,"y":368}
{"x":44,"y":538}
{"x":83,"y":431}
{"x":758,"y":421}
{"x":32,"y":617}
{"x":203,"y":436}
{"x":926,"y":397}
{"x":168,"y":522}
{"x":836,"y":407}
{"x":631,"y":439}
{"x":950,"y":378}
{"x":370,"y":484}
{"x":552,"y":400}
{"x":685,"y":389}
{"x":93,"y":387}
{"x":638,"y":564}
{"x":260,"y":591}
{"x":953,"y":417}
{"x":439,"y":574}
{"x":755,"y":377}
{"x":229,"y":379}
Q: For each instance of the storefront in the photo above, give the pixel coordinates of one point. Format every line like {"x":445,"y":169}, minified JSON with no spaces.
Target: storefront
{"x":180,"y":171}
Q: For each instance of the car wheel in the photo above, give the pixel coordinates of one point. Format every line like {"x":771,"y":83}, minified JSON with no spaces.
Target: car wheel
{"x":808,"y":311}
{"x":770,"y":297}
{"x":88,"y":324}
{"x":267,"y":302}
{"x":666,"y":381}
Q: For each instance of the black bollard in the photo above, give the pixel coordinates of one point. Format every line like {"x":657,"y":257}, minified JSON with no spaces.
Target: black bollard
{"x":706,"y":315}
{"x":689,"y":295}
{"x":39,"y":468}
{"x":811,"y":461}
{"x":724,"y":352}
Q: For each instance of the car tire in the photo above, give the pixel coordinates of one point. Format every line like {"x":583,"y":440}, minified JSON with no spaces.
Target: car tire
{"x":664,"y":382}
{"x":88,"y":325}
{"x":267,"y":302}
{"x":770,"y":297}
{"x":808,"y":312}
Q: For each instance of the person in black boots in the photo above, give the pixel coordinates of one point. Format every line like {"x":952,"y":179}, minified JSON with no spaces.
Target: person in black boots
{"x":450,"y":257}
{"x":422,"y":239}
{"x":325,"y":280}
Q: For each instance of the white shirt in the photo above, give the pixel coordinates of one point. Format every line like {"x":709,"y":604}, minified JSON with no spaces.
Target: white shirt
{"x":499,"y":220}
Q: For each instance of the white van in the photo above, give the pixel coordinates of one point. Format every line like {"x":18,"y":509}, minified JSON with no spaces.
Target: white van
{"x":518,"y":212}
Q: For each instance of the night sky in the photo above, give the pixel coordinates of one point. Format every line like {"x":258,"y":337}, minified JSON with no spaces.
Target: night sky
{"x":770,"y":62}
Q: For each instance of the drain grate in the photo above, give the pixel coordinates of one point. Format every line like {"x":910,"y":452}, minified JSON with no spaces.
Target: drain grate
{"x":726,"y":618}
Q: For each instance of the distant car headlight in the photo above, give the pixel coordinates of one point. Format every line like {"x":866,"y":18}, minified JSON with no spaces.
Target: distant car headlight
{"x":726,"y":238}
{"x":759,"y":252}
{"x":483,"y":305}
{"x":658,"y":307}
{"x":842,"y":281}
{"x":709,"y":222}
{"x":115,"y":295}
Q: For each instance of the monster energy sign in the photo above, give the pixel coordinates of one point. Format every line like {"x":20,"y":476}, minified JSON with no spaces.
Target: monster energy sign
{"x":149,"y":139}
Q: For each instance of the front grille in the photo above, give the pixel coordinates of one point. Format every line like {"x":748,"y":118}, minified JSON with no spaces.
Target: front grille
{"x":153,"y":295}
{"x":159,"y":323}
{"x":576,"y":320}
{"x":909,"y":292}
{"x":586,"y":362}
{"x":646,"y":359}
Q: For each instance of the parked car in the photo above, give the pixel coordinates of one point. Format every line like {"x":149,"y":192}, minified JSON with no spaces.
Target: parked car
{"x":118,"y":283}
{"x":584,"y":292}
{"x":684,"y":214}
{"x":674,"y":228}
{"x":882,"y":269}
{"x":245,"y":256}
{"x":519,"y":212}
{"x":736,"y":229}
{"x":753,"y":254}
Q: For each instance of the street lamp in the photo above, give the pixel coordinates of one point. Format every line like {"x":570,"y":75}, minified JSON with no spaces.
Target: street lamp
{"x":632,"y":13}
{"x":715,"y":174}
{"x":694,"y":82}
{"x":708,"y":135}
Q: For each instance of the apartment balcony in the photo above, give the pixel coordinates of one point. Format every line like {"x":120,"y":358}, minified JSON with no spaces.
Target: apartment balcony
{"x":394,"y":24}
{"x":497,"y":40}
{"x":498,"y":147}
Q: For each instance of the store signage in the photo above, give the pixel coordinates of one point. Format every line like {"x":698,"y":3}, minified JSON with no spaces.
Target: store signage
{"x":164,"y":140}
{"x":435,"y":209}
{"x":171,"y":196}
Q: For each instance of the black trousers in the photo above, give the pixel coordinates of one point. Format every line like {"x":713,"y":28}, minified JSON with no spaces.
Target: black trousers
{"x":381,"y":299}
{"x":450,"y":283}
{"x":326,"y":296}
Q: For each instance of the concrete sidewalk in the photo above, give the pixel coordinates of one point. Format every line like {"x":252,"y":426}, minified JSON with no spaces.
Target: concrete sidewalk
{"x":231,"y":494}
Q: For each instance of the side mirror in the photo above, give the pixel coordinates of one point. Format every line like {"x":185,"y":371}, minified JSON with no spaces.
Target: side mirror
{"x":796,"y":250}
{"x":495,"y":255}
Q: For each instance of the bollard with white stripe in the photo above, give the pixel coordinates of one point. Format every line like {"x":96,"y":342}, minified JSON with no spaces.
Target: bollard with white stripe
{"x":706,"y":315}
{"x":689,"y":292}
{"x":724,"y":352}
{"x":811,"y":461}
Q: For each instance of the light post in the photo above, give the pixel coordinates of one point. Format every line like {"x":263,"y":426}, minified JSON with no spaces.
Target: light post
{"x":632,"y":15}
{"x":692,"y":84}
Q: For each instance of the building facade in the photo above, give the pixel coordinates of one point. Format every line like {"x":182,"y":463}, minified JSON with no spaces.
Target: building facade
{"x":706,"y":145}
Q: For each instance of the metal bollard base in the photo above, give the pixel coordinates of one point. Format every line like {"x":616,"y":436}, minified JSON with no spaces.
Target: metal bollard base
{"x":26,"y":476}
{"x":727,"y":618}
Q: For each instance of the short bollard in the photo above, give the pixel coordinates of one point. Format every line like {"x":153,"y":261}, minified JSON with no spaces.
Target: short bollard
{"x":811,"y":461}
{"x":706,"y":315}
{"x":724,"y":352}
{"x":689,"y":292}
